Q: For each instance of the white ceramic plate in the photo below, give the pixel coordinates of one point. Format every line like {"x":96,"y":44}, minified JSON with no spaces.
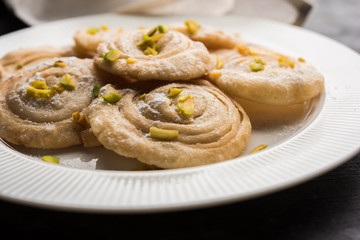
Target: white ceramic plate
{"x":95,"y":180}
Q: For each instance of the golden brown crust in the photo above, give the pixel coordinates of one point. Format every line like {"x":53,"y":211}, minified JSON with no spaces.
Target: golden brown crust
{"x":275,"y":85}
{"x":211,"y":37}
{"x":87,"y":43}
{"x":218,"y":129}
{"x":24,"y":58}
{"x":179,"y":58}
{"x":46,"y":123}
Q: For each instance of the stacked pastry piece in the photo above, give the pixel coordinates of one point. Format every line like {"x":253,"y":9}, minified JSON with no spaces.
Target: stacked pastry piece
{"x":168,"y":96}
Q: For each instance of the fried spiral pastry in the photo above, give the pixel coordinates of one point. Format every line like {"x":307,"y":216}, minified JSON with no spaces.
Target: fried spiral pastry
{"x":171,"y":125}
{"x":87,"y":39}
{"x":267,"y":77}
{"x":211,"y":37}
{"x":170,"y":56}
{"x":24,"y":58}
{"x":37,"y":104}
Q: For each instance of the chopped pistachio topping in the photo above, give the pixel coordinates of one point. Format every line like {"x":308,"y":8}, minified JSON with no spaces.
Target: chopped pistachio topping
{"x":111,"y":55}
{"x":96,"y":90}
{"x":259,"y":60}
{"x":54,"y":88}
{"x":159,"y":28}
{"x":51,"y":159}
{"x":19,"y":66}
{"x":132,"y":60}
{"x":192,"y":26}
{"x":39,"y":84}
{"x":60,"y":63}
{"x":148,"y":43}
{"x":257,"y":65}
{"x":38,"y":93}
{"x":186,"y":106}
{"x":142,"y":96}
{"x":162,"y":29}
{"x":259,"y":148}
{"x":243,"y":49}
{"x":150,"y":51}
{"x":216,"y":74}
{"x":157,"y":37}
{"x":163,"y":134}
{"x":92,"y":30}
{"x":286,"y":62}
{"x":67,"y":83}
{"x":80,"y":119}
{"x":183,"y":98}
{"x":219,"y":63}
{"x":145,"y":42}
{"x":76,"y":116}
{"x":173,"y":92}
{"x":104,"y":27}
{"x":152,"y":31}
{"x":300,"y":59}
{"x":141,"y":27}
{"x":83,"y":121}
{"x":112,"y":97}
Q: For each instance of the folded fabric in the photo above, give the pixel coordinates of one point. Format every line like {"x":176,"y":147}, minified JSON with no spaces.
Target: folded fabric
{"x":35,"y":12}
{"x":38,"y":11}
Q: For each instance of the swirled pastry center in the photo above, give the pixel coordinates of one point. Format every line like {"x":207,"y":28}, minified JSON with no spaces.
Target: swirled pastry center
{"x":61,"y":104}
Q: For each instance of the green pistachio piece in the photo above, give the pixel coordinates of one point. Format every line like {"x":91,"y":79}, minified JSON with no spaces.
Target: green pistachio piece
{"x":173,"y":92}
{"x":286,"y":62}
{"x":255,"y":67}
{"x":131,"y":60}
{"x":60,"y":63}
{"x":51,"y":159}
{"x":150,"y":41}
{"x":150,"y":51}
{"x":259,"y":60}
{"x":157,"y":37}
{"x":219,"y":63}
{"x":243,"y":49}
{"x":96,"y":90}
{"x":67,"y":83}
{"x":92,"y":30}
{"x":80,"y":119}
{"x":112,"y":55}
{"x":300,"y":59}
{"x":183,"y":98}
{"x":186,"y":107}
{"x":54,"y":88}
{"x":145,"y":42}
{"x":38,"y":93}
{"x":192,"y":26}
{"x":142,"y":97}
{"x":104,"y":27}
{"x":39,"y":84}
{"x":111,"y":97}
{"x":162,"y":29}
{"x":163,"y":134}
{"x":152,"y":31}
{"x":259,"y":148}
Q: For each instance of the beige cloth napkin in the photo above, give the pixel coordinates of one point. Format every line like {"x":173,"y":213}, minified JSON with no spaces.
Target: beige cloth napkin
{"x":39,"y":11}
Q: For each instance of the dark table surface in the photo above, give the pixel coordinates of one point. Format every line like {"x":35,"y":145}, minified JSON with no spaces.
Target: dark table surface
{"x":327,"y":207}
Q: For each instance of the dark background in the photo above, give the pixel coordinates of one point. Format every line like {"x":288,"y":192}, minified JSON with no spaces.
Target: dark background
{"x":327,"y":207}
